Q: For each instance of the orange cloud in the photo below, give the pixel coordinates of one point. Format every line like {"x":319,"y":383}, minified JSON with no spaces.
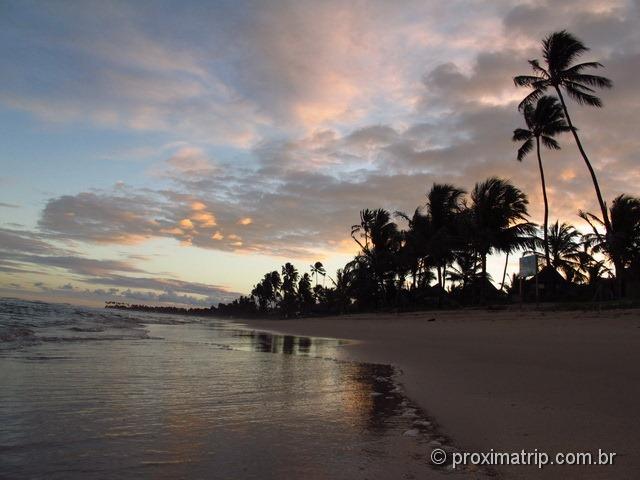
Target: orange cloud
{"x":205,"y":219}
{"x":186,"y":224}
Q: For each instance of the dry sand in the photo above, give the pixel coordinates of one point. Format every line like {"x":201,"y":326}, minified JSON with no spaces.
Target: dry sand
{"x":510,"y":380}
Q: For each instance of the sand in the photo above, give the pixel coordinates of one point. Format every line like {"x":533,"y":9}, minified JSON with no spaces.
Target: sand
{"x":510,"y":380}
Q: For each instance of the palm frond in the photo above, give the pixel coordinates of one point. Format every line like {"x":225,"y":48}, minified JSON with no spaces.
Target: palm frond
{"x":550,"y":143}
{"x":535,"y":66}
{"x":526,"y":80}
{"x":521,"y":135}
{"x":592,"y":80}
{"x":524,"y":150}
{"x":566,"y":82}
{"x":583,"y":98}
{"x":577,"y":68}
{"x":531,"y":98}
{"x":561,"y":49}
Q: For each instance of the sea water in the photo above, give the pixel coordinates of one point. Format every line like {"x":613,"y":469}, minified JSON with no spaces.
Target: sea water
{"x":92,"y":393}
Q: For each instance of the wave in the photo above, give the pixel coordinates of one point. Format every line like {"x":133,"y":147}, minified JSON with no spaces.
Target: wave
{"x":13,"y":333}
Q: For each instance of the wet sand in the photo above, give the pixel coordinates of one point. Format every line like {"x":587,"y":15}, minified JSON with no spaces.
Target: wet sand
{"x":511,"y":380}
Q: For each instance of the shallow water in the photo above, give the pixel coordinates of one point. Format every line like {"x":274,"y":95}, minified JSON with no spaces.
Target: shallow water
{"x":91,"y":393}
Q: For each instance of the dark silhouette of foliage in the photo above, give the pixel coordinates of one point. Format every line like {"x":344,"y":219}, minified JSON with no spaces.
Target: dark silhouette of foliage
{"x":560,"y":50}
{"x":450,"y":236}
{"x":622,"y":244}
{"x":544,"y":121}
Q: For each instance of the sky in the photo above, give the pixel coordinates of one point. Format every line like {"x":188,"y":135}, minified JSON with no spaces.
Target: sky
{"x":175,"y":151}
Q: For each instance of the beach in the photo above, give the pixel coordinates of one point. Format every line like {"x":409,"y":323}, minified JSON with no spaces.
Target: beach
{"x":510,"y":380}
{"x":94,"y":393}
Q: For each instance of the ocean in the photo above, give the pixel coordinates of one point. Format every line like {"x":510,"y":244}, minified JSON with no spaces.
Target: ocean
{"x":91,"y":393}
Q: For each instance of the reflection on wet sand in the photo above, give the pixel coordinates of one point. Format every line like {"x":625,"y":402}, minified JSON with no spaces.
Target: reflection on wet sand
{"x":287,"y":344}
{"x":200,"y":400}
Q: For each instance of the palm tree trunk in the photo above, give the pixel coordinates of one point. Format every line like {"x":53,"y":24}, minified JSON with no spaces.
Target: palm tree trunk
{"x":546,"y":205}
{"x":603,"y":207}
{"x":444,"y":277}
{"x":483,"y":280}
{"x":504,"y":272}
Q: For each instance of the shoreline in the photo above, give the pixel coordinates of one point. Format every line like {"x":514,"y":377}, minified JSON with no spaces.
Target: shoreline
{"x":508,"y":380}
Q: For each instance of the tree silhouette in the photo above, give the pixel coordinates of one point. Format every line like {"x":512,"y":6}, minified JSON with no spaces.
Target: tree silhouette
{"x":443,"y":204}
{"x":563,"y":241}
{"x":622,"y":244}
{"x":289,"y":295}
{"x":499,"y":215}
{"x":318,"y":269}
{"x":305,"y":295}
{"x":544,"y":121}
{"x":560,"y":50}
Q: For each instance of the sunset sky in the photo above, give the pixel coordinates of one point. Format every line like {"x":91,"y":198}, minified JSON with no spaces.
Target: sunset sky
{"x":176,"y":151}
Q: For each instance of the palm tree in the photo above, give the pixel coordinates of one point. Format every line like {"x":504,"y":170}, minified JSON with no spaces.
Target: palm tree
{"x":306,"y":300}
{"x":499,"y":215}
{"x":318,"y":269}
{"x":290,"y":278}
{"x":622,"y":245}
{"x":560,"y":50}
{"x":414,"y":241}
{"x":466,"y":268}
{"x":381,"y":243}
{"x":544,"y":121}
{"x":589,"y":270}
{"x":443,"y":204}
{"x":563,"y":241}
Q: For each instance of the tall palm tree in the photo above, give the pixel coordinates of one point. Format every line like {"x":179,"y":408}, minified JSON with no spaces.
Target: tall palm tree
{"x":544,"y":121}
{"x":499,"y":215}
{"x":560,"y":50}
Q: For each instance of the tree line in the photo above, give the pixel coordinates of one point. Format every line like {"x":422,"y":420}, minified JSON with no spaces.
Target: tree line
{"x":450,"y":237}
{"x":440,"y":256}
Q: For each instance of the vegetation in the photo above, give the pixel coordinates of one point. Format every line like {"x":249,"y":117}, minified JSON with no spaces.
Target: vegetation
{"x":438,"y":255}
{"x":560,"y":50}
{"x":544,"y":121}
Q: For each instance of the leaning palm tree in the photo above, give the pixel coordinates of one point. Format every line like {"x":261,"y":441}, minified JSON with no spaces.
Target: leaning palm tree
{"x":560,"y":50}
{"x":544,"y":121}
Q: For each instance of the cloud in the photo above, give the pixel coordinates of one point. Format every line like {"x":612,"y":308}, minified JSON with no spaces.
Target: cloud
{"x":25,"y":241}
{"x":31,"y":253}
{"x":292,"y":116}
{"x":104,"y":219}
{"x":233,"y":73}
